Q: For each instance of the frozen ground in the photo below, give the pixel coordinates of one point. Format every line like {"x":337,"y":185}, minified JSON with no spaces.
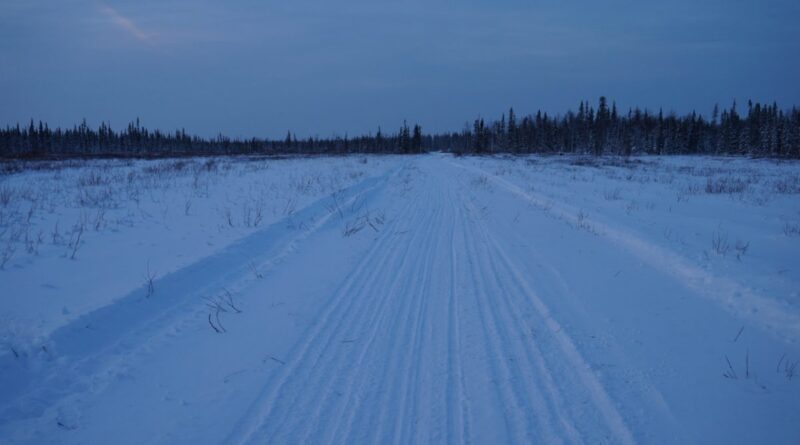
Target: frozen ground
{"x":419,"y":299}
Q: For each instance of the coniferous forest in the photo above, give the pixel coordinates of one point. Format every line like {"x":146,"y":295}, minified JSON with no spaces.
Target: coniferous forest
{"x":753,"y":130}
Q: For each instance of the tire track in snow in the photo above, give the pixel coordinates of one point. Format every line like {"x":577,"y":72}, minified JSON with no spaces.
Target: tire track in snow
{"x":417,"y":347}
{"x":567,"y":348}
{"x":457,"y":406}
{"x":260,"y":409}
{"x":352,"y":372}
{"x":365,"y":373}
{"x":495,"y":273}
{"x":532,"y":356}
{"x":526,"y":415}
{"x":315,"y":341}
{"x":340,"y":373}
{"x":398,"y":366}
{"x":405,"y":359}
{"x":383,"y":376}
{"x":650,"y":395}
{"x":125,"y":327}
{"x":738,"y":299}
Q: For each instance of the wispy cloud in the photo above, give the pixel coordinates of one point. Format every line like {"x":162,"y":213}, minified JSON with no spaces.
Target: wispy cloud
{"x":126,"y":24}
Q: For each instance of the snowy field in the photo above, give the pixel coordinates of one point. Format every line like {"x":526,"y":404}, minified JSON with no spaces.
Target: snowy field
{"x":427,"y":299}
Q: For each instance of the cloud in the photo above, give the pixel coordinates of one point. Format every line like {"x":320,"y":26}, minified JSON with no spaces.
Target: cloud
{"x":127,"y":25}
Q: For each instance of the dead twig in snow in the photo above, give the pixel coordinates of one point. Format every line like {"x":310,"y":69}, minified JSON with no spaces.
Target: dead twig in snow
{"x":730,"y":373}
{"x":149,"y":277}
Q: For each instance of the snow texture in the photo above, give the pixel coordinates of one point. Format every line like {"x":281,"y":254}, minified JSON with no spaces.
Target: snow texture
{"x":408,"y":299}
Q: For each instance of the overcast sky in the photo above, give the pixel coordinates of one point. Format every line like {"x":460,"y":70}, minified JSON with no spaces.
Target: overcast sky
{"x":260,"y":68}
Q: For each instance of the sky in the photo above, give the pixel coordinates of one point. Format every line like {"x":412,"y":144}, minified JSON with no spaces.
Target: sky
{"x":320,"y":68}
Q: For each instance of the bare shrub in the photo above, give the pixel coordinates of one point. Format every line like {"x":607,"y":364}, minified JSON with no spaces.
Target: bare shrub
{"x":103,"y":198}
{"x":32,"y":243}
{"x":92,"y":178}
{"x":335,"y":207}
{"x":214,"y":320}
{"x":791,"y":229}
{"x":7,"y":253}
{"x":612,"y":195}
{"x":741,"y":248}
{"x":481,"y":181}
{"x":99,"y":220}
{"x":719,"y":243}
{"x":56,"y":235}
{"x":6,"y":194}
{"x":789,"y":368}
{"x":219,"y":305}
{"x":725,"y":185}
{"x":585,"y":161}
{"x":258,"y":214}
{"x":373,"y":221}
{"x":788,"y":185}
{"x":691,"y":189}
{"x":583,"y":222}
{"x":227,"y":298}
{"x":75,"y":239}
{"x":247,"y":215}
{"x":165,"y":167}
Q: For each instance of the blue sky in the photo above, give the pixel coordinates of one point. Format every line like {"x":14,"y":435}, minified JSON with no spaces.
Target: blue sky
{"x":260,"y":68}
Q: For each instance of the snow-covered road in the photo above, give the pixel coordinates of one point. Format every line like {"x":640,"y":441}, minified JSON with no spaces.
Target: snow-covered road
{"x":443,"y":301}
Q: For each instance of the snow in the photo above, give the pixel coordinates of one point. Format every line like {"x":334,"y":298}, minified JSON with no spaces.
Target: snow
{"x":401,"y":299}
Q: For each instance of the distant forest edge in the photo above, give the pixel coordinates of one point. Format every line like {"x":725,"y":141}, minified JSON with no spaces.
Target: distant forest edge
{"x":765,"y":131}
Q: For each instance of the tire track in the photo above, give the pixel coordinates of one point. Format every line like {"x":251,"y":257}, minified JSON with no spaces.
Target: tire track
{"x":398,"y":367}
{"x":328,"y":372}
{"x":127,"y":326}
{"x":457,"y":406}
{"x":739,"y":300}
{"x":354,"y":372}
{"x":418,"y":346}
{"x":525,"y":402}
{"x":313,"y":340}
{"x":646,"y":394}
{"x":569,"y":352}
{"x":553,"y":408}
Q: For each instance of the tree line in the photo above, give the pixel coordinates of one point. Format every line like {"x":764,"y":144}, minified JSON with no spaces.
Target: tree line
{"x":39,"y":140}
{"x":760,"y":130}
